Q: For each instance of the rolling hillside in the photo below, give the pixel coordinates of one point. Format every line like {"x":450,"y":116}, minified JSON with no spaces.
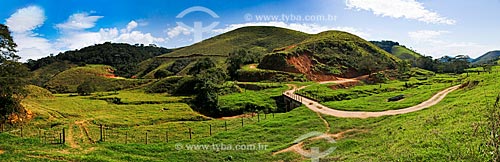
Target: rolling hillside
{"x":490,"y":57}
{"x":336,"y":53}
{"x":397,"y":49}
{"x":257,"y":39}
{"x":329,"y":54}
{"x":262,"y":39}
{"x":101,"y":76}
{"x":404,"y":53}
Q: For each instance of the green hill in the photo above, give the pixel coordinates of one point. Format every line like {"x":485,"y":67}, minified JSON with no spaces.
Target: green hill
{"x":404,"y":53}
{"x":257,"y":39}
{"x":329,"y":54}
{"x":487,"y":58}
{"x":336,"y":53}
{"x":261,"y":39}
{"x":124,"y":57}
{"x":397,"y":49}
{"x":101,"y":76}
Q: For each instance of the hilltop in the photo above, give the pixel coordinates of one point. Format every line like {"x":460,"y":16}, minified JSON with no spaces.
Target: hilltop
{"x":101,"y":76}
{"x":487,"y":58}
{"x":259,"y":39}
{"x":329,"y":54}
{"x":397,"y":50}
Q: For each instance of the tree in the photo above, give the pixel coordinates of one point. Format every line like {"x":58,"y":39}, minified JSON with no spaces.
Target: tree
{"x":13,"y":77}
{"x":239,"y":58}
{"x":86,"y":88}
{"x":201,"y":65}
{"x":206,"y":99}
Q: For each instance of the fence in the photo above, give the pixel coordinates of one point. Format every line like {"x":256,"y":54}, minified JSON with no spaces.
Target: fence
{"x":141,"y":134}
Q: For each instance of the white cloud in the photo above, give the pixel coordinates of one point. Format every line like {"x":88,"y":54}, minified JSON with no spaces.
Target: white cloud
{"x":409,"y":9}
{"x":306,"y":28}
{"x":132,"y":25}
{"x":73,"y":33}
{"x":79,"y":39}
{"x":426,"y":35}
{"x":79,"y":21}
{"x":176,"y":31}
{"x":26,"y":19}
{"x":22,"y":24}
{"x":431,"y":43}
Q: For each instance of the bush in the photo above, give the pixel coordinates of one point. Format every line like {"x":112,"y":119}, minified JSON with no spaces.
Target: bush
{"x":162,"y":73}
{"x":86,"y":88}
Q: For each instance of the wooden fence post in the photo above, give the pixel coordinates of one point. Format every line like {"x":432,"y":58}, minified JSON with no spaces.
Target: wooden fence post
{"x":100,"y":132}
{"x":225,"y":125}
{"x":210,"y":129}
{"x":166,"y":136}
{"x":63,"y":136}
{"x":190,"y":133}
{"x":241,"y":121}
{"x":146,"y":137}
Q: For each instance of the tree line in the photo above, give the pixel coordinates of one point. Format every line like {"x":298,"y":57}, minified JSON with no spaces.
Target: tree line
{"x":124,"y":57}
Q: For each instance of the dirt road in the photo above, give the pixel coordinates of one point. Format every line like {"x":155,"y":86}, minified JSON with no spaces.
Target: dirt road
{"x":317,"y":107}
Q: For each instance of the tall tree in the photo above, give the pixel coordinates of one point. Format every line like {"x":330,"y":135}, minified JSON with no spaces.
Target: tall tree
{"x":12,"y":77}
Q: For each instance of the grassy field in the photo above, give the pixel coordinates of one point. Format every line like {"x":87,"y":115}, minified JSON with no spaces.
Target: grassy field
{"x":379,"y":102}
{"x":453,"y":130}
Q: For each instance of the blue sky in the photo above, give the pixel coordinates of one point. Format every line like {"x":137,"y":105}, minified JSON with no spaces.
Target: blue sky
{"x":431,"y":27}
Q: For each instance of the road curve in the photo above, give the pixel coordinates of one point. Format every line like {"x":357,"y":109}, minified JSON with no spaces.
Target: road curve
{"x":317,"y":107}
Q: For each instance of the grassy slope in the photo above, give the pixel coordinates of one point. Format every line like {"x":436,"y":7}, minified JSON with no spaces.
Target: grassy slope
{"x":334,"y":52}
{"x":71,"y":78}
{"x":487,"y":57}
{"x":404,"y":53}
{"x":260,"y":39}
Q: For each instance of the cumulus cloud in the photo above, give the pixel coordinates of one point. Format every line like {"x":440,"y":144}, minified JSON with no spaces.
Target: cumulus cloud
{"x":79,"y":39}
{"x":74,"y":35}
{"x":409,"y":9}
{"x":178,"y":30}
{"x":22,"y":24}
{"x":79,"y":21}
{"x":131,"y":25}
{"x":26,"y":19}
{"x":306,"y":28}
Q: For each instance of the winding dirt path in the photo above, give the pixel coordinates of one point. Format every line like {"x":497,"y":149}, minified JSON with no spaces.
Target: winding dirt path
{"x":69,"y":137}
{"x":317,"y":107}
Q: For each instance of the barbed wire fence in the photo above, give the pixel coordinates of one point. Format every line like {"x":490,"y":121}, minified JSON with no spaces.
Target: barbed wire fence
{"x":98,"y":133}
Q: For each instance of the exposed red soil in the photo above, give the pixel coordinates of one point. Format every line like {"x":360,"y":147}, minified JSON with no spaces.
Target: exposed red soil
{"x":304,"y":64}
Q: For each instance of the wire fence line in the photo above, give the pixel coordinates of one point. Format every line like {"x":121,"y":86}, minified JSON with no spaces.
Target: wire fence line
{"x":96,"y":133}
